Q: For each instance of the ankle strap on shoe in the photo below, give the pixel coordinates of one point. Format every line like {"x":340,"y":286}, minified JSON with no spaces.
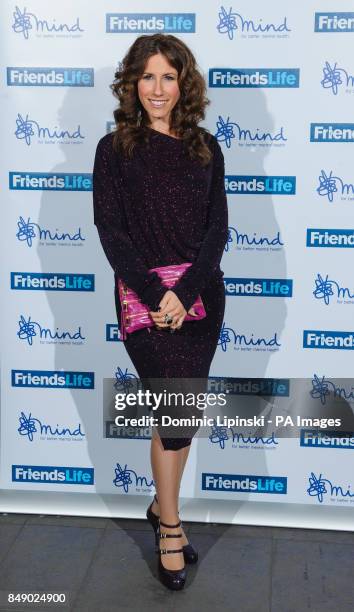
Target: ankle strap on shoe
{"x":164,"y":551}
{"x":170,"y":526}
{"x":170,"y":535}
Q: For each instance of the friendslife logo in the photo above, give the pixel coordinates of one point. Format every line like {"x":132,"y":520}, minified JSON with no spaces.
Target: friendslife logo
{"x":112,"y":332}
{"x":52,"y":379}
{"x":254,"y":77}
{"x":332,"y":132}
{"x":229,"y":130}
{"x":52,"y":281}
{"x":258,"y":287}
{"x":49,"y":77}
{"x":260,"y":185}
{"x":231,"y":22}
{"x":311,"y":438}
{"x":330,"y":238}
{"x":27,"y":231}
{"x":117,"y":23}
{"x":334,"y":22}
{"x":244,"y":483}
{"x":45,"y":181}
{"x":26,"y":23}
{"x":26,"y":129}
{"x":53,"y":474}
{"x":135,"y":432}
{"x":249,"y":386}
{"x":326,"y":339}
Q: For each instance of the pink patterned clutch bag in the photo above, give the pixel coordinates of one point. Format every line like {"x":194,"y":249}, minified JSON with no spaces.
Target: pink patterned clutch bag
{"x":135,"y":314}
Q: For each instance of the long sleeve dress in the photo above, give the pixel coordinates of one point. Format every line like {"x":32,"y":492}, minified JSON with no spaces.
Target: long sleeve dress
{"x":159,"y":208}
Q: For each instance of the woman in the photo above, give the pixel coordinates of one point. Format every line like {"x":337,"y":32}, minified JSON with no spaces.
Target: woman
{"x":159,"y":199}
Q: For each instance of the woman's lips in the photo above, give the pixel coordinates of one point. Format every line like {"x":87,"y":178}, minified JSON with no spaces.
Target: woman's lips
{"x":157,"y":103}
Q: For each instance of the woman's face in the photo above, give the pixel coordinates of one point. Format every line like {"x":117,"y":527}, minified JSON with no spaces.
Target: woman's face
{"x":158,"y":88}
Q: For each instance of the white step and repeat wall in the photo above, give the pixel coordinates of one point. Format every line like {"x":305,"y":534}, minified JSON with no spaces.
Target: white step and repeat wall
{"x":281,"y":85}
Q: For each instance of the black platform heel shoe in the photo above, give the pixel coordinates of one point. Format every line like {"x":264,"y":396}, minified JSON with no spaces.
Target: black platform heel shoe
{"x":189,"y":552}
{"x":172,"y":579}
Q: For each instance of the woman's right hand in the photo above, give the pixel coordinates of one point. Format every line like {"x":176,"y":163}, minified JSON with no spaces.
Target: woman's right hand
{"x":170,"y":304}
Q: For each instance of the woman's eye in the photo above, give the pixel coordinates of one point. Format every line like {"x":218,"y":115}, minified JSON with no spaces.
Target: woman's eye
{"x":169,"y":77}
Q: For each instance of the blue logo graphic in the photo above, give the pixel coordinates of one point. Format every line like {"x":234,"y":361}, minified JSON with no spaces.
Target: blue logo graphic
{"x":258,"y":287}
{"x":244,"y":483}
{"x":331,"y":184}
{"x":124,"y":380}
{"x":260,"y":185}
{"x":25,"y":23}
{"x":332,"y":132}
{"x":21,"y":76}
{"x":312,"y":438}
{"x":322,"y":388}
{"x":254,"y":77}
{"x":45,"y":181}
{"x":331,"y":238}
{"x":228,"y":335}
{"x":27,"y":128}
{"x":112,"y":332}
{"x":326,"y":339}
{"x":29,"y":426}
{"x":124,"y":478}
{"x":319,"y":487}
{"x":231,"y":22}
{"x":326,"y":288}
{"x":28,"y":330}
{"x":28,"y":230}
{"x":251,"y":242}
{"x":249,"y":386}
{"x":334,"y":77}
{"x":228,"y":131}
{"x":52,"y":474}
{"x":118,"y":23}
{"x":334,"y":22}
{"x":219,"y":435}
{"x":52,"y":281}
{"x":52,"y":379}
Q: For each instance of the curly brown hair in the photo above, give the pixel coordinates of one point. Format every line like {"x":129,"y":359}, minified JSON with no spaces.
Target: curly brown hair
{"x":131,"y":118}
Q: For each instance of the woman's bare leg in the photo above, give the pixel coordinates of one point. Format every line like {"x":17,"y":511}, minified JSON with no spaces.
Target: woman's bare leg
{"x":182,"y":455}
{"x":167,"y":468}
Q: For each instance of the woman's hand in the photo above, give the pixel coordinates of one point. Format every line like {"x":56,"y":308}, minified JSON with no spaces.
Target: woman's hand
{"x":171,"y":305}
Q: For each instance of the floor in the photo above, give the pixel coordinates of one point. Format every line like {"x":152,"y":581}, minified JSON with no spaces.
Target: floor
{"x":109,"y":565}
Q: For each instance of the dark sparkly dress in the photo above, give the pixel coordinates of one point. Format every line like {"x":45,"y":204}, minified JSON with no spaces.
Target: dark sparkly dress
{"x":156,"y":209}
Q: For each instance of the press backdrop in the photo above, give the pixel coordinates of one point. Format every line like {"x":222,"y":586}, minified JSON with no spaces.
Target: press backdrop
{"x":281,"y":86}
